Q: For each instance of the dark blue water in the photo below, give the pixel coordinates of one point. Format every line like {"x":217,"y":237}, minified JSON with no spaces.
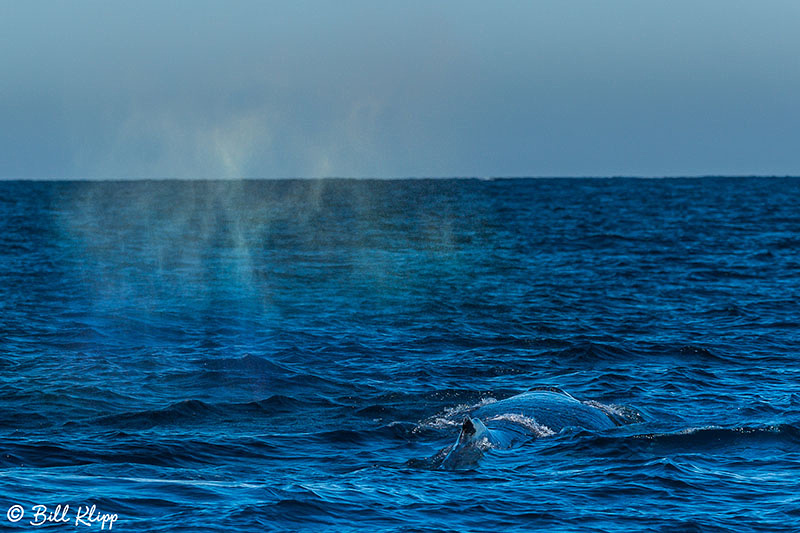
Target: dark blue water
{"x":250,"y":356}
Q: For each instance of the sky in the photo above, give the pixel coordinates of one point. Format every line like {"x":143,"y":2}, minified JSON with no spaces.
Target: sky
{"x":351,"y":88}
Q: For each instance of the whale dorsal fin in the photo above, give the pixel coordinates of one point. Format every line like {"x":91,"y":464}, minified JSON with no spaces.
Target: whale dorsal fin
{"x":471,"y":428}
{"x":473,"y":441}
{"x":467,"y":427}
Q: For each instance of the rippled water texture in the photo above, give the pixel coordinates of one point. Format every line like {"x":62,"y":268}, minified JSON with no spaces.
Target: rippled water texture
{"x":248,"y":356}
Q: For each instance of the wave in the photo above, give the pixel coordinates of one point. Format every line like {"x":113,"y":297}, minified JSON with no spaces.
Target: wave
{"x":119,"y":447}
{"x":592,"y":350}
{"x":177,"y":413}
{"x":720,"y":437}
{"x":246,"y":363}
{"x":709,"y":440}
{"x":198,"y":412}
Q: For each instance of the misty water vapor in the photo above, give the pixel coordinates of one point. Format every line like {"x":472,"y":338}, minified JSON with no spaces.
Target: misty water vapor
{"x":162,"y":232}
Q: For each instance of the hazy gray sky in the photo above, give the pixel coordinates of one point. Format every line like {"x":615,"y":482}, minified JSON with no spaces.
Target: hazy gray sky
{"x":368,"y":88}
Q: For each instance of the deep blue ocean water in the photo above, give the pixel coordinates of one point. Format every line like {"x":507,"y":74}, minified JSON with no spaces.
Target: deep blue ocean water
{"x":286,"y":355}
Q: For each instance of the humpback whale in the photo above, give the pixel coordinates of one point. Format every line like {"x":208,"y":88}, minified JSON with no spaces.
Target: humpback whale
{"x":536,"y":413}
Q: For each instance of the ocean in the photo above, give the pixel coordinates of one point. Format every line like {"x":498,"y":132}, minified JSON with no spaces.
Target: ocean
{"x":289,"y":355}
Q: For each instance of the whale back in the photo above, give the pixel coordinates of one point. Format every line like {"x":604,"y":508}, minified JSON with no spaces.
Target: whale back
{"x":551,"y":408}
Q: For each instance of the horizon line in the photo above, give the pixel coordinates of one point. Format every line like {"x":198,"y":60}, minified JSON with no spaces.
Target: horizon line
{"x":395,"y":178}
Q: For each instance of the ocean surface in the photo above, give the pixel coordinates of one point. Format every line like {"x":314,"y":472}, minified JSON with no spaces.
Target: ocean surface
{"x":289,"y":355}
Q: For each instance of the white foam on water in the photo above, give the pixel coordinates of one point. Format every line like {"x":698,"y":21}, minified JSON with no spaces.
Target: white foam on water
{"x":452,"y":416}
{"x":539,"y":430}
{"x":484,"y":444}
